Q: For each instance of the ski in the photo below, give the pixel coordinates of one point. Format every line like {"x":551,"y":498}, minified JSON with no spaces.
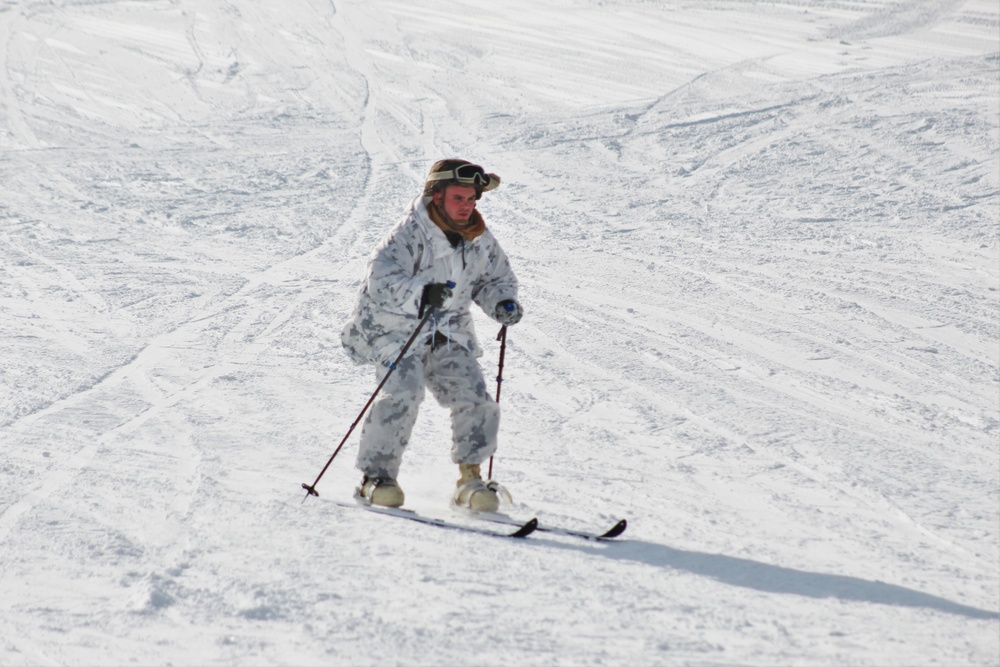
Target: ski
{"x":524,"y":528}
{"x":609,"y":534}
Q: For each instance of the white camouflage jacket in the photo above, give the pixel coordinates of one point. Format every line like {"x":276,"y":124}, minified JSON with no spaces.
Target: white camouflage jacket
{"x":417,"y":253}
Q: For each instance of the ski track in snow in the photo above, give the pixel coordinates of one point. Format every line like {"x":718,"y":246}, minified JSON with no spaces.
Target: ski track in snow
{"x":759,"y":254}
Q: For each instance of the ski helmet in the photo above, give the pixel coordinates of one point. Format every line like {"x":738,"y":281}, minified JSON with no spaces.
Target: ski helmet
{"x":453,"y":171}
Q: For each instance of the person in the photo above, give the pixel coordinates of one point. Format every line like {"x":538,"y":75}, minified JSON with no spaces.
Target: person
{"x":440,"y":256}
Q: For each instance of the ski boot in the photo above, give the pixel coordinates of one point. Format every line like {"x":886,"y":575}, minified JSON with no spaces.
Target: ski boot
{"x":473,"y":493}
{"x":380,"y":491}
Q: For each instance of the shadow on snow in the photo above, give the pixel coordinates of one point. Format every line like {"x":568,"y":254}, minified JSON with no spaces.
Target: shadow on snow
{"x":774,"y":578}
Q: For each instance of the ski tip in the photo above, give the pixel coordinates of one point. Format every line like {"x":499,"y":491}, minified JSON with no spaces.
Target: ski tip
{"x":526,"y":529}
{"x":616,"y":530}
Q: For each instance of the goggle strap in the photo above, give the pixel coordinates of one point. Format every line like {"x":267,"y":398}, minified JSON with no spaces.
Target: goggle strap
{"x":442,"y":176}
{"x":450,"y":175}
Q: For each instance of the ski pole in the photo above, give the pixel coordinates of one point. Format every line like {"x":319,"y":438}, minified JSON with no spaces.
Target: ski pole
{"x":311,"y":488}
{"x":502,"y":337}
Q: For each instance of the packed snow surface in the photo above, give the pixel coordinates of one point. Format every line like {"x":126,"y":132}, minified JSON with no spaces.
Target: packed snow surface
{"x":758,"y":248}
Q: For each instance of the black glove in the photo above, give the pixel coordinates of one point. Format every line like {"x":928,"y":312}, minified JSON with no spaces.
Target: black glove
{"x":508,"y":312}
{"x":434,"y":296}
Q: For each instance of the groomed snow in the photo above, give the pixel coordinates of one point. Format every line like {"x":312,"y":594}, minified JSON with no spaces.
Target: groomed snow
{"x":759,"y":247}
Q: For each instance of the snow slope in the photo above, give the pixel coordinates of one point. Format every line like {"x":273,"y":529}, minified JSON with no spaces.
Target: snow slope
{"x":758,"y":246}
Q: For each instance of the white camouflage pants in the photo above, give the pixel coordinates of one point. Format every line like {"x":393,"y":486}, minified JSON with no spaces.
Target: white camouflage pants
{"x":456,"y":381}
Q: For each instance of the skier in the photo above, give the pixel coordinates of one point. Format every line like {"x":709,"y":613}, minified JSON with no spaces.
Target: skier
{"x":440,"y":256}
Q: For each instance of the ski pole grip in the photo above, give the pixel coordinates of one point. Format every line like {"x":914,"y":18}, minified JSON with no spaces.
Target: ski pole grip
{"x":451,"y":284}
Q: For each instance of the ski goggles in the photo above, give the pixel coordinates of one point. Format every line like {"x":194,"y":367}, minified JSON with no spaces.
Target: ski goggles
{"x":466,"y":174}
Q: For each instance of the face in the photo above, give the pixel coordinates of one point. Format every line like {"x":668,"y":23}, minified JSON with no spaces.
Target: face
{"x":458,"y":201}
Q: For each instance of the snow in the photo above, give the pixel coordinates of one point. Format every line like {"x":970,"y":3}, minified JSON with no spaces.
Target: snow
{"x":759,"y":254}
